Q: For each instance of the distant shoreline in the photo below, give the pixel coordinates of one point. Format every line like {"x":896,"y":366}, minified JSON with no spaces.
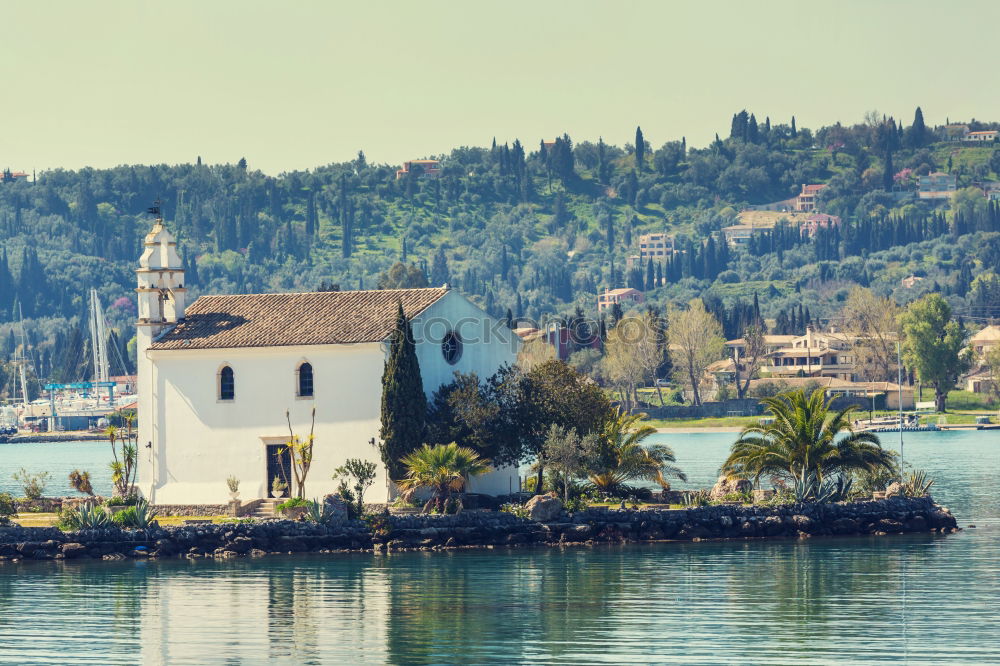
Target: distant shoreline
{"x":54,"y":437}
{"x":692,"y":430}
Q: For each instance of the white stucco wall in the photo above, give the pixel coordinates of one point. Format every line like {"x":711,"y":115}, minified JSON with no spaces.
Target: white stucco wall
{"x":487,"y":344}
{"x":197,"y":441}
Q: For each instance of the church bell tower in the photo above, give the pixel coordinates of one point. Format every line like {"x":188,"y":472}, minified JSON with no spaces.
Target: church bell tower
{"x":160,"y":286}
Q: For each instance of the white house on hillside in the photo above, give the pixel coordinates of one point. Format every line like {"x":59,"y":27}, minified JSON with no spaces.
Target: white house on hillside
{"x":215,"y":378}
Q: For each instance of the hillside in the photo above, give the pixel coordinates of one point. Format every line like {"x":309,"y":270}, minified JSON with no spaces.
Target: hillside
{"x":537,"y":231}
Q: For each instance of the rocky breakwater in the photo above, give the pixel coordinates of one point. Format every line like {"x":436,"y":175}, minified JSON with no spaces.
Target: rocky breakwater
{"x":477,"y":529}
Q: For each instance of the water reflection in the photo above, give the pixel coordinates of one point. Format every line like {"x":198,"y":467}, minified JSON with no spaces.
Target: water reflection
{"x":919,"y":598}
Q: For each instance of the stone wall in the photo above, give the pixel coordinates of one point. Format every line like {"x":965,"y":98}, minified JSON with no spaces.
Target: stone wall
{"x":167,"y":510}
{"x":473,"y":529}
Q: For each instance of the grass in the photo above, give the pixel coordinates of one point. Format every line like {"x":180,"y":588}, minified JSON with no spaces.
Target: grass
{"x":49,"y":519}
{"x":715,"y":422}
{"x":963,"y":408}
{"x":641,"y":505}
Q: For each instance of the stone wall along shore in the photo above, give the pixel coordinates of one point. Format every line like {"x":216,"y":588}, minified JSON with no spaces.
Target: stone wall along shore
{"x":474,"y":529}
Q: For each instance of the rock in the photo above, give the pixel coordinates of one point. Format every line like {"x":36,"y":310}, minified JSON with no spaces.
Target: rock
{"x":544,"y":508}
{"x":240,"y":545}
{"x":338,"y":508}
{"x":772,"y":525}
{"x":802,"y":523}
{"x":941,"y":518}
{"x":895,"y":489}
{"x":725,"y":485}
{"x":71,"y":550}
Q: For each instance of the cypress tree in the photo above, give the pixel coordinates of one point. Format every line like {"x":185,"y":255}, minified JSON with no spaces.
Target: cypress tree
{"x":439,"y":269}
{"x":640,"y":149}
{"x":404,"y":405}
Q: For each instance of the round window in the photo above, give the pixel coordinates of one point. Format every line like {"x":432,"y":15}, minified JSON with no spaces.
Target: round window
{"x":451,"y":347}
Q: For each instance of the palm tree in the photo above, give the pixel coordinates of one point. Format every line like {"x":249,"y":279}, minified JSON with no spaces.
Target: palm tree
{"x":444,"y":468}
{"x":805,"y":436}
{"x":623,"y":457}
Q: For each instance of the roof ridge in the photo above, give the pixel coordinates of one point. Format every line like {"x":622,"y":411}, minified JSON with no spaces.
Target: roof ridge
{"x":303,"y":293}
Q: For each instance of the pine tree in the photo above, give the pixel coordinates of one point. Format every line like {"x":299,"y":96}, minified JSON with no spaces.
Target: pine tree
{"x":640,"y":149}
{"x":404,"y":404}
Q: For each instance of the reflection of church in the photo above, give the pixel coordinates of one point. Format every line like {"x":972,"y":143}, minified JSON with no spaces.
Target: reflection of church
{"x":216,"y":378}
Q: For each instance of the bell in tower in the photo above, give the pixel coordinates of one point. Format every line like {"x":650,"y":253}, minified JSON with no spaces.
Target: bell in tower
{"x":160,"y":278}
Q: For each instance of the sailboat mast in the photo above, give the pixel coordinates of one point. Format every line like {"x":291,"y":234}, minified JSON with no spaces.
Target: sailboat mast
{"x":899,"y":387}
{"x":24,"y":359}
{"x":98,"y":339}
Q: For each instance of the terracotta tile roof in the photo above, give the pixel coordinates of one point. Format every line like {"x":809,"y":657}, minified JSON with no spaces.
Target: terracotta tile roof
{"x":278,"y":320}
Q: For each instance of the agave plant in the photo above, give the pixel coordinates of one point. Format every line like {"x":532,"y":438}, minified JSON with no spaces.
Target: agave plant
{"x":810,"y":487}
{"x":88,"y":517}
{"x":917,"y":484}
{"x":695,"y":498}
{"x":319,"y":512}
{"x":138,"y":516}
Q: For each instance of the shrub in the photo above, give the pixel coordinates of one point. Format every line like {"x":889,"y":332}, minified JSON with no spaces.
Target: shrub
{"x":741,"y":497}
{"x":118,"y":500}
{"x":379,"y":525}
{"x":362,"y":473}
{"x":519,"y":510}
{"x":8,"y":508}
{"x":138,"y":516}
{"x":32,"y":484}
{"x":695,"y":498}
{"x":781,"y":497}
{"x":575,"y":504}
{"x":233,"y":484}
{"x":292,"y":503}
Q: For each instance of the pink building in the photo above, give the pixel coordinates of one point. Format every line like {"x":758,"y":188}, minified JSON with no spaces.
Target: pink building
{"x":429,"y":168}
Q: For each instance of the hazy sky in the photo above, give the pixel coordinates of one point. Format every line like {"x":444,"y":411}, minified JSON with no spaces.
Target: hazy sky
{"x":299,"y":84}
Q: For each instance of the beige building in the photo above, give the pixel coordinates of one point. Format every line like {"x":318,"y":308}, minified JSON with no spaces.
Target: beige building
{"x":834,"y":387}
{"x":810,"y":355}
{"x":985,"y":340}
{"x":625,"y":297}
{"x":652,"y":246}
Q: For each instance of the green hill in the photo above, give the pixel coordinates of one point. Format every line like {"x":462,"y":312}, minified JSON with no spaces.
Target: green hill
{"x":539,"y":231}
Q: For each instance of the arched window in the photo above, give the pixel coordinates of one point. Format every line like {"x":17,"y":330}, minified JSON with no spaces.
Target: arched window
{"x":227,"y":384}
{"x":451,"y":347}
{"x":305,"y":388}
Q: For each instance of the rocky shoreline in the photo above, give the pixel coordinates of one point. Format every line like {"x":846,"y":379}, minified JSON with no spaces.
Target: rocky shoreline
{"x":479,"y":529}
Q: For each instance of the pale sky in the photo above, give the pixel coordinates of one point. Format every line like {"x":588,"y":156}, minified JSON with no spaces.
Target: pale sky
{"x":293,"y":85}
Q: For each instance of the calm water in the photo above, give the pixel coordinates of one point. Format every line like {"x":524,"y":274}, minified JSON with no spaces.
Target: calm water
{"x":912,"y":599}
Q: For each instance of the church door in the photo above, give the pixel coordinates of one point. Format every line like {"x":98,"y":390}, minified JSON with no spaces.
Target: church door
{"x":279,"y":464}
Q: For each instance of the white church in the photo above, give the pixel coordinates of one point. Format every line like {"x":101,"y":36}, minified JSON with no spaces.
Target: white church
{"x":216,"y":378}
